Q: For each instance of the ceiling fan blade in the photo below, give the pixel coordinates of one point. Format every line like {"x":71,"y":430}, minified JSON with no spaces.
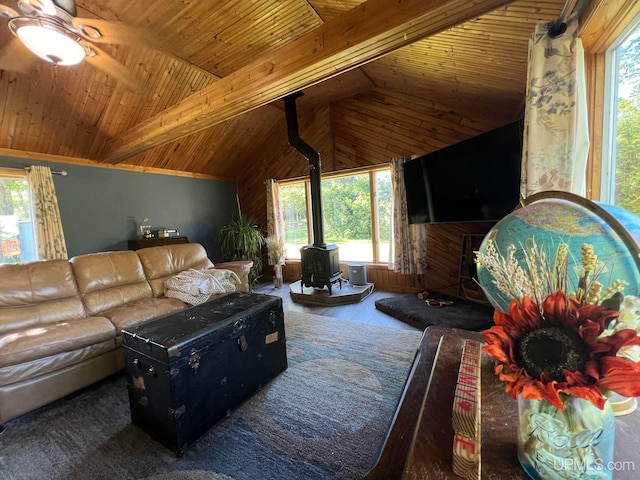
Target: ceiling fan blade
{"x":103,"y":31}
{"x":16,"y":57}
{"x":110,"y":66}
{"x":7,"y":12}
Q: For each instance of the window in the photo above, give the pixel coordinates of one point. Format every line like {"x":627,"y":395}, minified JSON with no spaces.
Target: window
{"x":17,"y":239}
{"x":356,"y":212}
{"x":621,"y":143}
{"x":294,"y":213}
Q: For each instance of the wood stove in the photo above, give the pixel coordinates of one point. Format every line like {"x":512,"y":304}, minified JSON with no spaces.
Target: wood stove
{"x":319,"y":262}
{"x":320,"y":266}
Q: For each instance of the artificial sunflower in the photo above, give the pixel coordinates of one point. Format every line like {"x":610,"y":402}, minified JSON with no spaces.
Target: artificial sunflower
{"x":561,"y":348}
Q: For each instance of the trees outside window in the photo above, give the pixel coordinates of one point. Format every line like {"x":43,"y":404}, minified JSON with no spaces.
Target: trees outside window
{"x":293,"y":203}
{"x":356,"y":215}
{"x":17,"y":239}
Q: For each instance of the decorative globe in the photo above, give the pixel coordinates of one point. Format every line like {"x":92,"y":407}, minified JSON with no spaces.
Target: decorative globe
{"x":551,"y":218}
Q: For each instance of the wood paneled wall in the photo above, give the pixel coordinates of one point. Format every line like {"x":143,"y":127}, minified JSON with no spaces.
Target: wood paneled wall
{"x":370,"y":129}
{"x":376,"y":126}
{"x":276,"y":159}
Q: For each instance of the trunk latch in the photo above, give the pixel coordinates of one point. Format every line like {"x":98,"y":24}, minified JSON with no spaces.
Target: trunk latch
{"x":194,"y":361}
{"x":242,"y":343}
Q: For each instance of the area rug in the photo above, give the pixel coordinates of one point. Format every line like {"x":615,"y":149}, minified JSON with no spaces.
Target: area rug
{"x":325,"y":417}
{"x":461,"y":313}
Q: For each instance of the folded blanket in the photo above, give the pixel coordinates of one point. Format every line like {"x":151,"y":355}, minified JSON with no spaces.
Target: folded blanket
{"x":197,"y":286}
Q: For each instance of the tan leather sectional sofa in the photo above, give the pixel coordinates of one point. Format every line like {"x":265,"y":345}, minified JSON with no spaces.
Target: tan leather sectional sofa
{"x":60,"y":320}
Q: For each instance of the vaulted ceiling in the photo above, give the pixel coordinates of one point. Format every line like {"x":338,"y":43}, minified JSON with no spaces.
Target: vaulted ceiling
{"x":196,"y":86}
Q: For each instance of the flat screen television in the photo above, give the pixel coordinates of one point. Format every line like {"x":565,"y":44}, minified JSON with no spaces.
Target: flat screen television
{"x":474,"y":180}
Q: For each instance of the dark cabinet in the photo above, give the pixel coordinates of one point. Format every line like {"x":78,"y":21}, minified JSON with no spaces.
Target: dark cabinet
{"x":139,"y":243}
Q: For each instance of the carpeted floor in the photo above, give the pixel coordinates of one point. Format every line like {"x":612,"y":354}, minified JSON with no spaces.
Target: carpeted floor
{"x":463,"y":314}
{"x":324,"y":417}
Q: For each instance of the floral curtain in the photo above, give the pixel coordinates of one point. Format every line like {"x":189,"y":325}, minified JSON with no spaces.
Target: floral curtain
{"x":409,"y":245}
{"x":275,"y":223}
{"x":49,"y":234}
{"x":556,"y":136}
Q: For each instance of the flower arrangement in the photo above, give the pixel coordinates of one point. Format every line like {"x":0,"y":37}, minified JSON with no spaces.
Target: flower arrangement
{"x":561,"y":349}
{"x":560,"y":339}
{"x":275,"y":249}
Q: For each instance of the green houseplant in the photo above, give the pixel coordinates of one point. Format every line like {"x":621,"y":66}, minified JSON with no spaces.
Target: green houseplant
{"x":241,"y":239}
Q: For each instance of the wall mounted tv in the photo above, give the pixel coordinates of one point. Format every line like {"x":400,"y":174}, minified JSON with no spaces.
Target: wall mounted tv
{"x":474,"y":180}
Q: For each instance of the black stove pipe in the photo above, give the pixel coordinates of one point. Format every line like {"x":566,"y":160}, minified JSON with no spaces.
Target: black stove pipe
{"x":315,"y":171}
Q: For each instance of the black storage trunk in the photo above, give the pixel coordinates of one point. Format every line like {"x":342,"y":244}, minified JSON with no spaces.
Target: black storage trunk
{"x":189,"y":370}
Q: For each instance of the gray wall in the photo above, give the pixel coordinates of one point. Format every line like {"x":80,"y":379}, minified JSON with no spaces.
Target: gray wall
{"x":101,"y":208}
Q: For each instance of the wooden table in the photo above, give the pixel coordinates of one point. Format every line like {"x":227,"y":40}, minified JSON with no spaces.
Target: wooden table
{"x":420,"y":439}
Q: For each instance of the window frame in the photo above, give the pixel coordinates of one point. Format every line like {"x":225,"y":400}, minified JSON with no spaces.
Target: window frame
{"x":601,"y":24}
{"x":12,"y":173}
{"x":373,"y":205}
{"x":610,"y":108}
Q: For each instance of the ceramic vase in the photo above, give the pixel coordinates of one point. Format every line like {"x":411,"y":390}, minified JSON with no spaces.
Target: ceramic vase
{"x":277,"y":278}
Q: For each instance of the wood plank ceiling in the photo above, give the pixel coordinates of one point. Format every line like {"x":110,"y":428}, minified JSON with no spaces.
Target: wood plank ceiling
{"x":454,"y":79}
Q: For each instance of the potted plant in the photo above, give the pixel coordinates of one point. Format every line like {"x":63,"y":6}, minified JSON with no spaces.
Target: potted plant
{"x":241,"y":239}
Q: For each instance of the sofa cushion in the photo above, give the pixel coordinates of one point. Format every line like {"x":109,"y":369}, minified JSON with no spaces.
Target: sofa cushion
{"x":42,"y":366}
{"x":160,"y":263}
{"x":140,"y":311}
{"x":37,"y":293}
{"x":29,"y":344}
{"x":109,"y":280}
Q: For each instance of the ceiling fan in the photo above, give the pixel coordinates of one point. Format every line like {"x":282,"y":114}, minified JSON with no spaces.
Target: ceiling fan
{"x":52,"y":30}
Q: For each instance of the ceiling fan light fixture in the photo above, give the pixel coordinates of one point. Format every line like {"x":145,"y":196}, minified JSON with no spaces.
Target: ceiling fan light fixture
{"x":49,"y":41}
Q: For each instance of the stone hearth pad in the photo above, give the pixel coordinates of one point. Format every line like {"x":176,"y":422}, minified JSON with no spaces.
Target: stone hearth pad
{"x":339,"y":295}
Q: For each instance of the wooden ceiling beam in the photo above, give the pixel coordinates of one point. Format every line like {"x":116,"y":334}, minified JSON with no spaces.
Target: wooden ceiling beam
{"x":358,"y":36}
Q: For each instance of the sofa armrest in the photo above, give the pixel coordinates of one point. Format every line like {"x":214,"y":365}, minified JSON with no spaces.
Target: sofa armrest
{"x":240,"y":268}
